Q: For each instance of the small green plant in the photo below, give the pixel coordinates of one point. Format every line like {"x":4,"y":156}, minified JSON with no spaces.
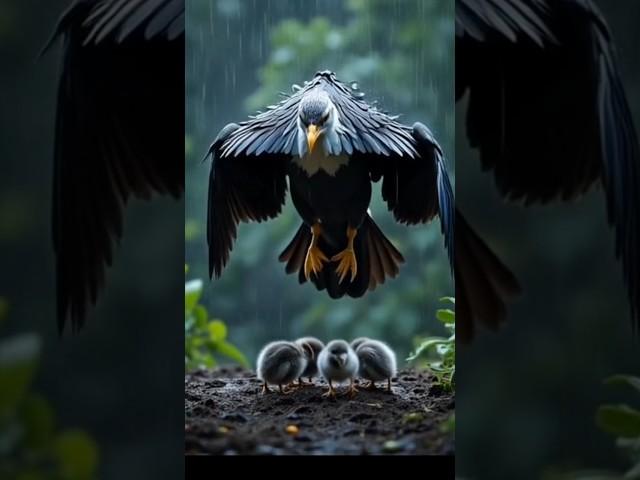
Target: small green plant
{"x":204,"y":337}
{"x":440,"y":352}
{"x":623,"y":423}
{"x":31,"y":448}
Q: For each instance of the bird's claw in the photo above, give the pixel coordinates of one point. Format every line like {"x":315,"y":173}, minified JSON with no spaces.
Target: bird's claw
{"x":314,"y":261}
{"x":352,"y":392}
{"x":331,"y":394}
{"x":347,"y":259}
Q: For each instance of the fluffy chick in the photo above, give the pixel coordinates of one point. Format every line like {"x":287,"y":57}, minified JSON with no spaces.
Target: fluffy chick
{"x":280,"y":363}
{"x":356,"y":342}
{"x":312,"y":353}
{"x":377,"y":361}
{"x":338,"y":362}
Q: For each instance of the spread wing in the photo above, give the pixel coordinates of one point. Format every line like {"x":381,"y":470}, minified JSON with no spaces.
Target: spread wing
{"x":242,"y":188}
{"x":418,"y":189}
{"x":119,"y":125}
{"x":547,"y":110}
{"x":363,"y":129}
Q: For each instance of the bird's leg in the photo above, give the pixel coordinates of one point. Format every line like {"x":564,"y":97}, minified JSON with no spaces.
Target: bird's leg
{"x":347,"y":257}
{"x":265,"y":389}
{"x":388,"y":384}
{"x":283,"y":391}
{"x":315,"y":258}
{"x":352,"y":392}
{"x":331,"y":393}
{"x":301,"y":383}
{"x":371,"y":385}
{"x":310,"y":380}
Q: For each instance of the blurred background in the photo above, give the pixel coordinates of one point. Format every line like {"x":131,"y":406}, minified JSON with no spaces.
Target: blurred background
{"x":527,"y":397}
{"x":120,"y":379}
{"x":240,"y":55}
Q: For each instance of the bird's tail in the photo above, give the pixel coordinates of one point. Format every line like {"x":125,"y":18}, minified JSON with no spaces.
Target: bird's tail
{"x":376,"y":258}
{"x":483,"y":283}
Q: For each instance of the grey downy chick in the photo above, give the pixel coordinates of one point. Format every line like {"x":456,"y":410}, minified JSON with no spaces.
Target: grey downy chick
{"x":315,"y":347}
{"x":355,"y":343}
{"x":377,"y":361}
{"x":338,"y":362}
{"x":280,"y":363}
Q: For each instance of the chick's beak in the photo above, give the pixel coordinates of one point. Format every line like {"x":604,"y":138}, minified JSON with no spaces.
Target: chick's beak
{"x":313,"y":132}
{"x":342,"y":358}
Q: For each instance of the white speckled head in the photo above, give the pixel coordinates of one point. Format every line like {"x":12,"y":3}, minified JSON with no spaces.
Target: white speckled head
{"x":318,"y":125}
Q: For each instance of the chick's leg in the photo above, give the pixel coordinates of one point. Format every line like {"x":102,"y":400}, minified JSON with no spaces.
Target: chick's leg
{"x":353,"y":391}
{"x":347,"y":257}
{"x":265,"y":389}
{"x":331,"y":393}
{"x":315,"y":259}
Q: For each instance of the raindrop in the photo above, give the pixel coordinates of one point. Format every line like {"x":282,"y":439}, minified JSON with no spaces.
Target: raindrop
{"x":354,"y":85}
{"x":295,"y":87}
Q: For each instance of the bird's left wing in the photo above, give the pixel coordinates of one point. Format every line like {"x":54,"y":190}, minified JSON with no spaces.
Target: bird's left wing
{"x":418,"y":189}
{"x":242,"y":188}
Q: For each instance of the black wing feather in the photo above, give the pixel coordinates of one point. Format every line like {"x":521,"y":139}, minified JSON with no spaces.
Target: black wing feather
{"x":242,"y":188}
{"x":119,"y":108}
{"x":418,"y":189}
{"x":548,"y":112}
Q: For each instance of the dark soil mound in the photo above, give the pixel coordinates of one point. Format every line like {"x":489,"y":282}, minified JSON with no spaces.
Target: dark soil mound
{"x":225,"y":413}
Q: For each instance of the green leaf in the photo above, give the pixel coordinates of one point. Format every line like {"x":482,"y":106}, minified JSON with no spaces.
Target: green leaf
{"x":38,"y":421}
{"x":76,"y":454}
{"x":192,"y":294}
{"x":446,"y":316}
{"x":448,"y":299}
{"x":232,"y":352}
{"x":624,"y":380}
{"x":427,"y":344}
{"x":217,"y":331}
{"x":201,"y":316}
{"x":619,"y":420}
{"x":18,"y":361}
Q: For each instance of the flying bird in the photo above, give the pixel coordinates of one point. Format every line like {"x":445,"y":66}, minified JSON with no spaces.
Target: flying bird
{"x":338,"y":362}
{"x":547,"y":112}
{"x":331,"y":145}
{"x":119,"y":132}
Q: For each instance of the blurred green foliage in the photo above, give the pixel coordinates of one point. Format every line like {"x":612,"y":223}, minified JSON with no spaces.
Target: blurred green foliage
{"x":240,"y":55}
{"x":31,"y":447}
{"x":440,"y":352}
{"x":621,"y":421}
{"x":204,"y":338}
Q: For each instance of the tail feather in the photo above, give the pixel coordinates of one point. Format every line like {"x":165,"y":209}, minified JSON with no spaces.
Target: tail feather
{"x":484,"y":284}
{"x":376,"y":257}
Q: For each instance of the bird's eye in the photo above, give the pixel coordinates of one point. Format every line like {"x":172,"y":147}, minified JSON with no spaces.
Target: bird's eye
{"x":324,"y":118}
{"x":304,"y":122}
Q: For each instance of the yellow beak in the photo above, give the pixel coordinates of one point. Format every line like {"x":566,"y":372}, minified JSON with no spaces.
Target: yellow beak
{"x":312,"y":136}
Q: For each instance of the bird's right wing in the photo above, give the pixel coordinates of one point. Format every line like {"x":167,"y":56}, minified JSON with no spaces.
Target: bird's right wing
{"x":119,"y":124}
{"x":547,"y":110}
{"x":242,"y":188}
